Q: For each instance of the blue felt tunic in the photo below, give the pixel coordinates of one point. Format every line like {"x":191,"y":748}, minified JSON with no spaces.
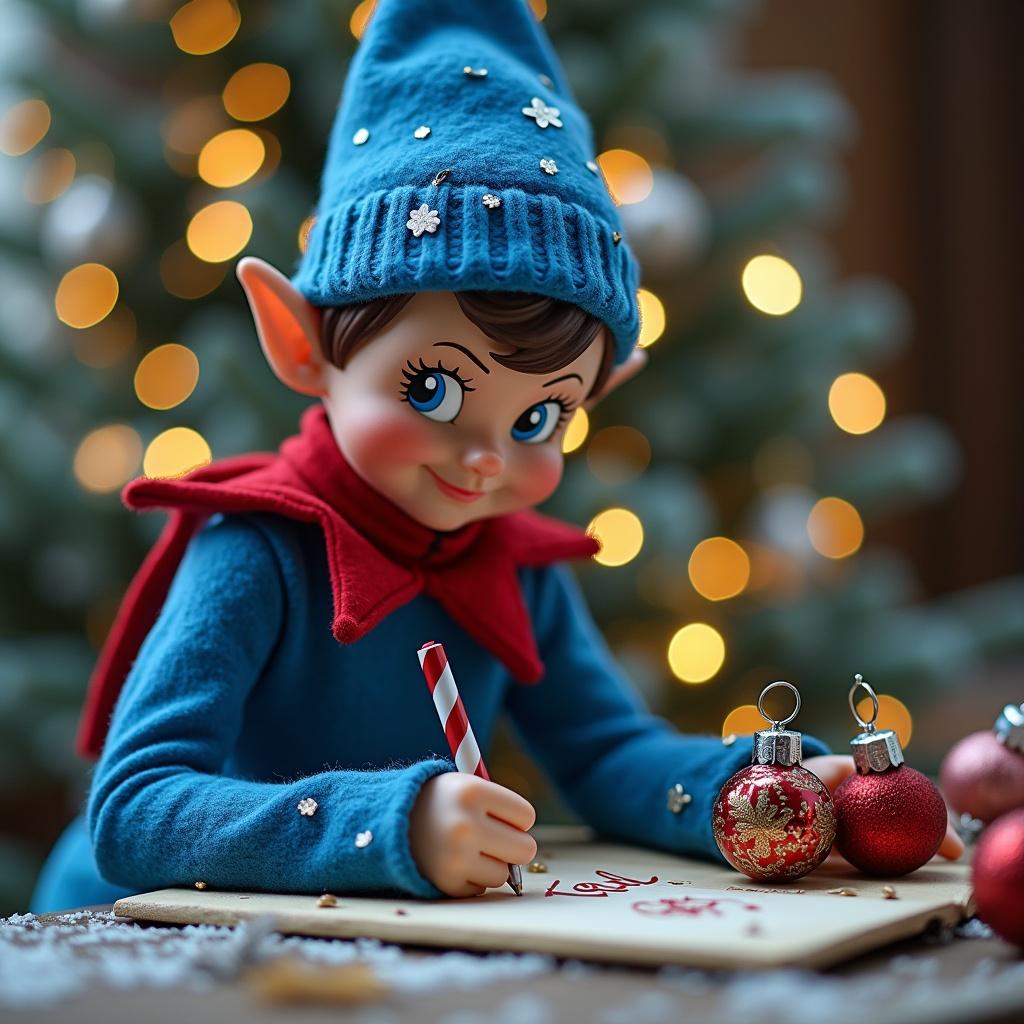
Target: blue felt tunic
{"x":241,"y":703}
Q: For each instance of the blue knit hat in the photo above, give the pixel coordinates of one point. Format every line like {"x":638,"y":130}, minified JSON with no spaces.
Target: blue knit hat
{"x":459,"y":160}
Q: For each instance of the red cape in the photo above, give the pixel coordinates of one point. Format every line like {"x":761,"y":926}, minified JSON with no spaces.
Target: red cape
{"x":378,"y":557}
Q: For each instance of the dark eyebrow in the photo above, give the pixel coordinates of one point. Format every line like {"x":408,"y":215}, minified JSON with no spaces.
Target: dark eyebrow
{"x":568,"y":376}
{"x":462,"y":348}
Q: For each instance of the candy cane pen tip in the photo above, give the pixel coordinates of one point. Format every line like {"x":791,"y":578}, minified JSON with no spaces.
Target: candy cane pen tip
{"x":515,"y":879}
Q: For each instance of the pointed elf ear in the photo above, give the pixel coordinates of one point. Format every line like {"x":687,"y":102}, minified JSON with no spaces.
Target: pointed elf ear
{"x":634,"y":363}
{"x":287,"y":325}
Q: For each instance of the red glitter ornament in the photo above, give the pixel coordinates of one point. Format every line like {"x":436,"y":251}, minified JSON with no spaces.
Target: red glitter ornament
{"x":774,"y":820}
{"x":983,"y":775}
{"x":891,"y":818}
{"x":998,"y":875}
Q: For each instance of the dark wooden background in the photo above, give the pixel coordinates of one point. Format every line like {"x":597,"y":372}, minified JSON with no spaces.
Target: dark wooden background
{"x":935,"y":179}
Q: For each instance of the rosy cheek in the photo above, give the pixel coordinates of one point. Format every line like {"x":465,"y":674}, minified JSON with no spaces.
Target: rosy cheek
{"x":382,"y":434}
{"x":538,"y":472}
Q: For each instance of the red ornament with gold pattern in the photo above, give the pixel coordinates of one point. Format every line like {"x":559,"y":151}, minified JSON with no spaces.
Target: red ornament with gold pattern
{"x":774,"y":820}
{"x":983,"y":775}
{"x":892,"y":819}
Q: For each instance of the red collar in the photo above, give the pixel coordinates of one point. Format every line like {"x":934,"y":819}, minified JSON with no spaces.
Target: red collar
{"x":378,"y":557}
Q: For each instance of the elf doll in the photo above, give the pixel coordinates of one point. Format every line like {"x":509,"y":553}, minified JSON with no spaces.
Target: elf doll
{"x":258,"y":712}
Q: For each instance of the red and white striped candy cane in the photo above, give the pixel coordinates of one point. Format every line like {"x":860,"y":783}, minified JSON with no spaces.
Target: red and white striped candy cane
{"x":457,"y":729}
{"x":450,"y":710}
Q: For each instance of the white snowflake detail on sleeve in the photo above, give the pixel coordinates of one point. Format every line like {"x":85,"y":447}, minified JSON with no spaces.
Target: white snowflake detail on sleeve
{"x":543,"y":114}
{"x":423,"y":219}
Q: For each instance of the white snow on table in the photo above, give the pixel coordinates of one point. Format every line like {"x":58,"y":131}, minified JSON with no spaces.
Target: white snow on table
{"x":42,"y":964}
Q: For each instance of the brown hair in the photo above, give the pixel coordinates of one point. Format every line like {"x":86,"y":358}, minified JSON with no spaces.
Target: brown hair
{"x":546,"y":334}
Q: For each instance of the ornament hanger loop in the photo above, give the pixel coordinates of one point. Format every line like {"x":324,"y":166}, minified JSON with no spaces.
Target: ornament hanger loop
{"x":776,"y":724}
{"x":860,"y":684}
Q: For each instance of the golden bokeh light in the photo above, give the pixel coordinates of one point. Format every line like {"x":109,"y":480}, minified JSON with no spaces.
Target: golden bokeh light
{"x":652,"y":317}
{"x":304,"y":229}
{"x":576,"y":431}
{"x":892,"y":714}
{"x":361,"y":17}
{"x":23,"y":127}
{"x":627,"y":174}
{"x":772,"y":285}
{"x":231,"y":157}
{"x":108,"y":458}
{"x":220,"y":231}
{"x":719,"y":568}
{"x":617,"y":455}
{"x":256,"y":92}
{"x":856,"y":403}
{"x":621,"y":535}
{"x":743,"y":721}
{"x":835,"y":528}
{"x":186,"y":276}
{"x":51,"y":176}
{"x":696,"y":653}
{"x":176,"y":452}
{"x":205,"y":26}
{"x":166,"y":376}
{"x":108,"y":342}
{"x":539,"y":8}
{"x":86,"y":294}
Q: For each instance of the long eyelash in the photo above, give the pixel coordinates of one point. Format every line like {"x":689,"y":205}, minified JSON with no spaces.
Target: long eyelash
{"x":413,"y":372}
{"x":566,"y":403}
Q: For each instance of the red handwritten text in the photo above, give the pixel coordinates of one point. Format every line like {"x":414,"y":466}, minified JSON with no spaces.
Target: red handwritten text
{"x":613,"y":883}
{"x":692,"y":906}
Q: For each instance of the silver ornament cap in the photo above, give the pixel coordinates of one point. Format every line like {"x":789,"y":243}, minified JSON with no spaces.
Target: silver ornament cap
{"x":874,"y":750}
{"x":1009,"y":727}
{"x":777,"y":745}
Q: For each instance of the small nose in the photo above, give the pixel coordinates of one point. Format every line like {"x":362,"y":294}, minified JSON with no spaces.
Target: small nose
{"x":483,"y":461}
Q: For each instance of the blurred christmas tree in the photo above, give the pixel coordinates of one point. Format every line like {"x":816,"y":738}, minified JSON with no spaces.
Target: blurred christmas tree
{"x":149,"y":143}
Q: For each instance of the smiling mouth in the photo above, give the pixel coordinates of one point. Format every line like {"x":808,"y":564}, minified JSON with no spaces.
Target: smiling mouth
{"x":458,"y":493}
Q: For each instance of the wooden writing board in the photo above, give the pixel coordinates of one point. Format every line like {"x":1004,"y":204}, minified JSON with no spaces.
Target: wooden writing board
{"x":617,"y":903}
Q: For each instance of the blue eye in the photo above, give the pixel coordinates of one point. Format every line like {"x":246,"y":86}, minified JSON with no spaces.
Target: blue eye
{"x":538,"y":423}
{"x":434,"y":391}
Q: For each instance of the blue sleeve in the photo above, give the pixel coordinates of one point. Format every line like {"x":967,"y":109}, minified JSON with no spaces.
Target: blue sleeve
{"x":160,"y":813}
{"x":613,"y":761}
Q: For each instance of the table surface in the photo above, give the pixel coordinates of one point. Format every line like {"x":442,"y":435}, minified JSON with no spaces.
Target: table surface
{"x":976,"y":980}
{"x":664,"y":909}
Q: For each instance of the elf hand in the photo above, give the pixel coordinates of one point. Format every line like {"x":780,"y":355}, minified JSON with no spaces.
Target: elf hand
{"x":464,"y":832}
{"x":833,"y":768}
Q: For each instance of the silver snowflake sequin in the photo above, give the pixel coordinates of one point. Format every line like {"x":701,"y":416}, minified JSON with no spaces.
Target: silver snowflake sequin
{"x":470,"y":72}
{"x":423,"y":219}
{"x":592,"y":167}
{"x":361,"y":136}
{"x":491,"y":202}
{"x":548,"y":166}
{"x":422,"y":132}
{"x":363,"y":839}
{"x":678,"y":798}
{"x":307,"y":807}
{"x":543,"y":114}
